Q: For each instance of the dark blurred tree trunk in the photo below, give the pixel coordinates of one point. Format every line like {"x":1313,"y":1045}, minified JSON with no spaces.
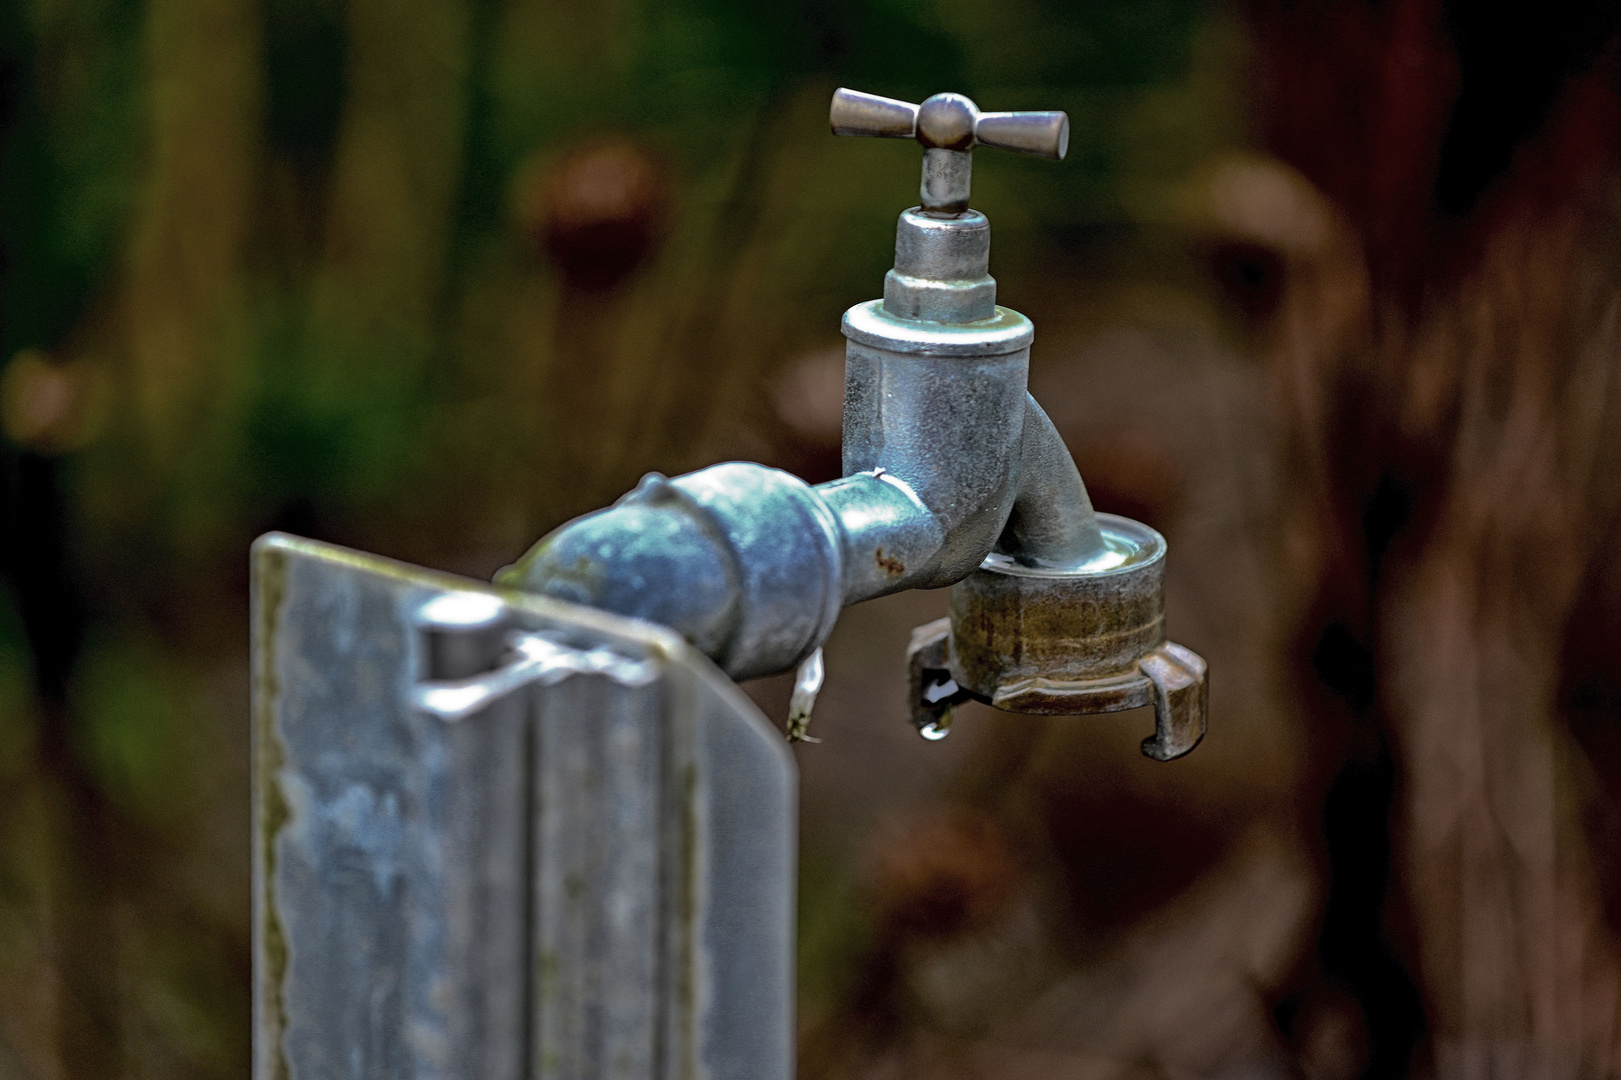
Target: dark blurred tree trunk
{"x":1450,"y":383}
{"x":36,"y":564}
{"x":82,"y":897}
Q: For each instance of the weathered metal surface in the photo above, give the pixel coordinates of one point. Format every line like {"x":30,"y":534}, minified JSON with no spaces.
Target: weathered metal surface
{"x":942,"y":269}
{"x":1011,"y":623}
{"x":502,"y":837}
{"x":1170,"y":677}
{"x":964,"y":472}
{"x":1064,"y":642}
{"x":1181,"y":700}
{"x":744,"y":561}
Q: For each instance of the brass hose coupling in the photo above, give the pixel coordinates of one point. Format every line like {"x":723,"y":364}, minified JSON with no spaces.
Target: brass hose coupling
{"x":1062,"y":642}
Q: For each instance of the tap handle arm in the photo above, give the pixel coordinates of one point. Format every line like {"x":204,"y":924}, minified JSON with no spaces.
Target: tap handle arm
{"x":855,"y":113}
{"x":1041,"y":134}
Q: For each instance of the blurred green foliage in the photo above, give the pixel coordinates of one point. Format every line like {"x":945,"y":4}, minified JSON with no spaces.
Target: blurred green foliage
{"x":142,"y":738}
{"x":70,"y":158}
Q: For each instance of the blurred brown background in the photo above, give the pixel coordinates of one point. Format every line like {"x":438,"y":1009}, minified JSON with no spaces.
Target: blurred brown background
{"x":1329,"y":293}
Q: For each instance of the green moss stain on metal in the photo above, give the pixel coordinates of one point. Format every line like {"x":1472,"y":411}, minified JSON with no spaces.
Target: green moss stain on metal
{"x":271,"y":809}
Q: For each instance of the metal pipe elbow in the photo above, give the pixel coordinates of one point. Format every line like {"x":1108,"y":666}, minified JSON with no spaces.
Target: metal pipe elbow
{"x":744,"y":561}
{"x":1040,"y":516}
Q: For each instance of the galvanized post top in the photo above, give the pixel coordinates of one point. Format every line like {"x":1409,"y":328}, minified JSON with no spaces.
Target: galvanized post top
{"x":949,"y":126}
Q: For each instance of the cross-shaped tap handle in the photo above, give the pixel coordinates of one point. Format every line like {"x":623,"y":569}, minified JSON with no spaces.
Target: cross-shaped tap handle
{"x":949,"y":126}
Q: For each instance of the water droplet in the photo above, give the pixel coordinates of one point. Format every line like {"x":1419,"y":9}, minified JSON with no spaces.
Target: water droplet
{"x":937,"y":729}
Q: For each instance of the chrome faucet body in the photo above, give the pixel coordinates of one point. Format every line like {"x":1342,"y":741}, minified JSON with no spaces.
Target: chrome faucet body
{"x":954,"y":476}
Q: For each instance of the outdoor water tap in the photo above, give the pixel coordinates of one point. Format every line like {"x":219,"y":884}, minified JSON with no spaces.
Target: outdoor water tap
{"x":954,"y":476}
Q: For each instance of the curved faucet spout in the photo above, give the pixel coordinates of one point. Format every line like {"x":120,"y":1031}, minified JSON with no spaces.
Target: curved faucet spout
{"x":1053,"y":524}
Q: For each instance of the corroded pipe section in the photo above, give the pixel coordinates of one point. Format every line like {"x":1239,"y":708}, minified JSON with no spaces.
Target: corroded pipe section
{"x":745,"y":562}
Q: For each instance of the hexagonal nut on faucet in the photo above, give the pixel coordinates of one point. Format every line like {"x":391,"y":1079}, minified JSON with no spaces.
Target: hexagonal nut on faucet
{"x":1057,"y":642}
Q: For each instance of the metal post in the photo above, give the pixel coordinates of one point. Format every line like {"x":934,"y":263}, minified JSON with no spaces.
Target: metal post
{"x":504,"y":838}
